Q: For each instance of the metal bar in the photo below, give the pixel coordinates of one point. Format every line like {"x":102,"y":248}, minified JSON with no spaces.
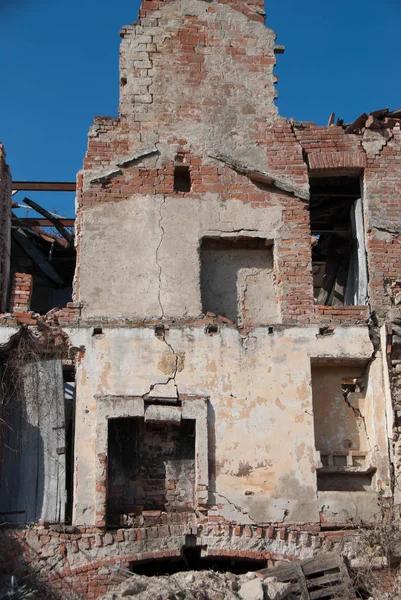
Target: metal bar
{"x":31,"y":222}
{"x":44,"y":186}
{"x":37,"y":256}
{"x":55,"y":220}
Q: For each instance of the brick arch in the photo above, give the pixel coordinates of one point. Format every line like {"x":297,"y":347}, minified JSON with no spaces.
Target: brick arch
{"x":340,"y":159}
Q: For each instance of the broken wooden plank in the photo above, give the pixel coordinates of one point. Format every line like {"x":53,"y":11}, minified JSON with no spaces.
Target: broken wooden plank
{"x":358,"y":226}
{"x":327,"y":578}
{"x":331,"y":119}
{"x":334,"y":591}
{"x":282,"y":572}
{"x":395,"y":113}
{"x":357,"y":124}
{"x":338,"y":293}
{"x":37,"y":256}
{"x":55,"y":220}
{"x":320,"y":563}
{"x":330,"y":274}
{"x":301,"y":581}
{"x":380,"y":113}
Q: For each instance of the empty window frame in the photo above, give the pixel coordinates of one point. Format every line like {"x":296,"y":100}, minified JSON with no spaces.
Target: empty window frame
{"x":237,"y":279}
{"x":182,"y":178}
{"x":338,"y":393}
{"x":338,"y":241}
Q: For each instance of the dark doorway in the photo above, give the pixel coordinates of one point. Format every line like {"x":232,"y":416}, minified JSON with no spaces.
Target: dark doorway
{"x":151,"y":466}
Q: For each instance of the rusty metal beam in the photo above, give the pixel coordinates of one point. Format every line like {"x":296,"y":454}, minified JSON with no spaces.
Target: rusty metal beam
{"x":44,"y":186}
{"x":28,"y":222}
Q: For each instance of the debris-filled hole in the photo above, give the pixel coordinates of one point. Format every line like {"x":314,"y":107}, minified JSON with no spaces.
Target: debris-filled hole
{"x":182,"y":178}
{"x":212,"y":329}
{"x":160,"y":331}
{"x":338,"y":245}
{"x":191,"y":560}
{"x":151,"y":466}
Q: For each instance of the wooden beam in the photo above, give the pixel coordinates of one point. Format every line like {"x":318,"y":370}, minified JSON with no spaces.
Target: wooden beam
{"x":55,"y":220}
{"x":44,"y":186}
{"x":37,"y":256}
{"x":330,"y":274}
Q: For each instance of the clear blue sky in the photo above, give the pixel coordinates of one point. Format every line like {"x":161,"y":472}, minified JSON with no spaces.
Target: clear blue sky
{"x":59,"y":68}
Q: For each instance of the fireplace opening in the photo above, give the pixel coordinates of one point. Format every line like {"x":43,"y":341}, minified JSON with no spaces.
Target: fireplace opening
{"x":151,"y":466}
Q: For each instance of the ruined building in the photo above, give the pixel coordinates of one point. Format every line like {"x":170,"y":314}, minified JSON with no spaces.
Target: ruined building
{"x":234,"y":334}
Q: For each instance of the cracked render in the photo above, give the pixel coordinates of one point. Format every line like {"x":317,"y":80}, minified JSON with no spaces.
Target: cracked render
{"x":235,"y":328}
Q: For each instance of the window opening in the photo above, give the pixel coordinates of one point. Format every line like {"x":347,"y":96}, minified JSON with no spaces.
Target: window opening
{"x":237,"y":280}
{"x":340,"y":429}
{"x":338,"y":241}
{"x":182,"y":178}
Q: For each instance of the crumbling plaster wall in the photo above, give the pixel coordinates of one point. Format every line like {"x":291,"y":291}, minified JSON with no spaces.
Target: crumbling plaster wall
{"x":186,"y":71}
{"x":262,"y":458}
{"x":197,"y":88}
{"x":5,"y":227}
{"x":152,"y":267}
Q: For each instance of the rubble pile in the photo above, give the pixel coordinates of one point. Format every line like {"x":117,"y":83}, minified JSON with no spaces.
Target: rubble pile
{"x":201,"y":585}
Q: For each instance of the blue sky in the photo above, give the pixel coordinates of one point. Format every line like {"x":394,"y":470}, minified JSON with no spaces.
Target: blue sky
{"x":59,"y":68}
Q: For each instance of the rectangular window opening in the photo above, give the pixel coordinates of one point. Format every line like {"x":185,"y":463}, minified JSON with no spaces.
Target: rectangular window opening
{"x":237,"y":280}
{"x":338,"y":393}
{"x":182,"y":178}
{"x":338,"y":241}
{"x":151,"y":466}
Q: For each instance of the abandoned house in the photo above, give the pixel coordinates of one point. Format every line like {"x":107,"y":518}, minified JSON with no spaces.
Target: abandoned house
{"x":211,"y":358}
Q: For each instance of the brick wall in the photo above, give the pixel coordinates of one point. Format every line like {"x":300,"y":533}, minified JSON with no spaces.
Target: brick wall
{"x":86,"y":563}
{"x":377,"y":156}
{"x":169,"y":74}
{"x":21,"y":292}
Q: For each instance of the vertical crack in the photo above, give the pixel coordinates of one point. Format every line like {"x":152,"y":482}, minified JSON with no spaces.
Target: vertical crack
{"x":157,"y":255}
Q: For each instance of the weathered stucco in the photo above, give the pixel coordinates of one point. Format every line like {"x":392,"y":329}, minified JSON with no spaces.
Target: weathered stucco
{"x":262,"y":457}
{"x":163,"y":274}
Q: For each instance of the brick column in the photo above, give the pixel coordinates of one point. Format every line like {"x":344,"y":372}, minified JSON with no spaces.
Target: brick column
{"x":21,"y":292}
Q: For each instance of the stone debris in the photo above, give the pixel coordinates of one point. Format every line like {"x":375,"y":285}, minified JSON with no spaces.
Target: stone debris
{"x":201,"y":585}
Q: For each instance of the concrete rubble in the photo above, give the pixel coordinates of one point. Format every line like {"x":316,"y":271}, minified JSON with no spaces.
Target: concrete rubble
{"x":201,"y":585}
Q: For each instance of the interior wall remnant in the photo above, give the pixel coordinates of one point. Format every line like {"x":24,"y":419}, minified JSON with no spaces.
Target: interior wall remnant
{"x":237,"y":280}
{"x":32,"y":484}
{"x":151,"y":466}
{"x":338,"y":241}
